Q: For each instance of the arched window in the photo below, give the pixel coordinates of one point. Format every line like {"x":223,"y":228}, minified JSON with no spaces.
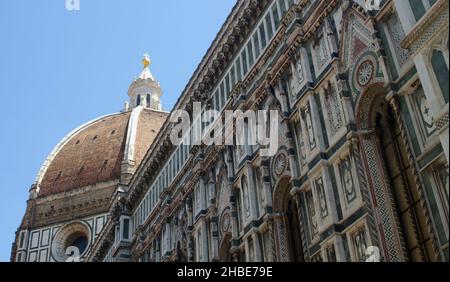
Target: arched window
{"x":440,"y":69}
{"x":138,"y":100}
{"x":148,"y":100}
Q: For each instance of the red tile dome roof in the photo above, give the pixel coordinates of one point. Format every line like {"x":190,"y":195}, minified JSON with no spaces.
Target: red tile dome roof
{"x":94,"y":153}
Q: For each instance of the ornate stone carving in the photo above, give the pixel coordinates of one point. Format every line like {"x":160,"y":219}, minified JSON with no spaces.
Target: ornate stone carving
{"x":365,"y":72}
{"x":280,"y":164}
{"x":225,"y":221}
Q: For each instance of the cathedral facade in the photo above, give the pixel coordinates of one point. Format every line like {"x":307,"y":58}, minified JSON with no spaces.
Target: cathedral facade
{"x":360,"y":172}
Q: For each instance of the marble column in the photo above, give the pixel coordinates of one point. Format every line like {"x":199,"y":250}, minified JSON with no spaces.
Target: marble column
{"x":317,"y":125}
{"x":247,"y":251}
{"x":254,"y":211}
{"x":203,"y":193}
{"x":234,"y":227}
{"x":167,"y":247}
{"x":301,"y":221}
{"x":268,"y":203}
{"x":292,"y":155}
{"x":204,"y":242}
{"x":190,"y":247}
{"x":257,"y":247}
{"x":190,"y":242}
{"x":158,"y":250}
{"x":281,"y":96}
{"x":273,"y":250}
{"x":214,"y":239}
{"x":211,"y":189}
{"x":339,"y":249}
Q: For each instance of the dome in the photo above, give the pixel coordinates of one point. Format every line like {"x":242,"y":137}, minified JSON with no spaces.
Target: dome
{"x":95,"y":152}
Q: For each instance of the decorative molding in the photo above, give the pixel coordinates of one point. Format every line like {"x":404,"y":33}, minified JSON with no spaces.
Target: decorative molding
{"x":429,"y":27}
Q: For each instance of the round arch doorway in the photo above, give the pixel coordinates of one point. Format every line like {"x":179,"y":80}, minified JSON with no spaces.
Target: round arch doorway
{"x":287,"y":224}
{"x":390,"y":177}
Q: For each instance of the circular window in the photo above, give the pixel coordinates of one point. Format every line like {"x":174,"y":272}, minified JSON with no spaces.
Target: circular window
{"x":225,"y":222}
{"x":365,"y":73}
{"x":77,"y":240}
{"x":71,"y":242}
{"x":280,"y":164}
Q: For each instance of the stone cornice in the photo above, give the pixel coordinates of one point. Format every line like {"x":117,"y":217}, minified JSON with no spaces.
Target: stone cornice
{"x":280,"y":67}
{"x":316,"y":19}
{"x":75,"y":192}
{"x":155,"y":155}
{"x":439,"y":9}
{"x":225,"y":43}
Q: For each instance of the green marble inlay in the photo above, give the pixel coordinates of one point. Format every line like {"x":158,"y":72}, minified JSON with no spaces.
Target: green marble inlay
{"x":409,"y":125}
{"x":434,"y":208}
{"x":389,"y":55}
{"x":428,"y":157}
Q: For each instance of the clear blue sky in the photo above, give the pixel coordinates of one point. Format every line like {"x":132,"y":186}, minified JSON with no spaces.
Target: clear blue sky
{"x":60,"y":69}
